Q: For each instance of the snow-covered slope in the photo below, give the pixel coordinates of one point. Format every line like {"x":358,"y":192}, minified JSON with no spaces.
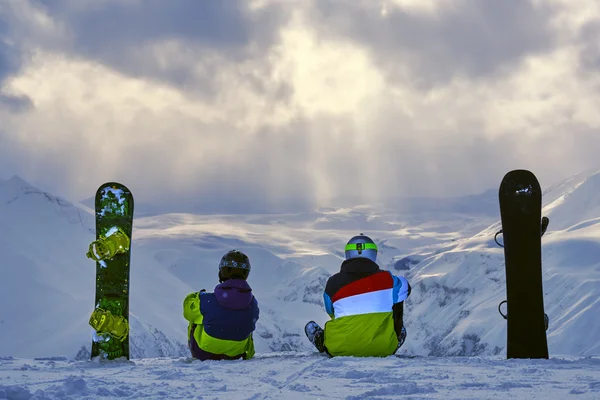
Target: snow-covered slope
{"x":47,"y":283}
{"x":191,"y":253}
{"x":449,"y":256}
{"x":292,"y":255}
{"x":453,"y":310}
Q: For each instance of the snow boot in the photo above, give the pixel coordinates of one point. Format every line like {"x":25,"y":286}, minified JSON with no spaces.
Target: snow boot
{"x":315,"y":335}
{"x":401,"y":337}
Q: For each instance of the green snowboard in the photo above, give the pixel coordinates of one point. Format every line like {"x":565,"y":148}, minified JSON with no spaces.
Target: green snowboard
{"x":112,"y":253}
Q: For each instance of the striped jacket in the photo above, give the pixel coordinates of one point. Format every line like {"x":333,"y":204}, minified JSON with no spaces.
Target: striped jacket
{"x":360,"y":300}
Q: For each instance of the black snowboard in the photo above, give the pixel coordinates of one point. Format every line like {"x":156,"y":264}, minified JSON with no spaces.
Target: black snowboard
{"x":520,"y":198}
{"x":114,"y":210}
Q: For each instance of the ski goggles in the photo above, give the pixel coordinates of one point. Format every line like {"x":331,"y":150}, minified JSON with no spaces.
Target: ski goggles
{"x":361,"y":246}
{"x":234,"y":264}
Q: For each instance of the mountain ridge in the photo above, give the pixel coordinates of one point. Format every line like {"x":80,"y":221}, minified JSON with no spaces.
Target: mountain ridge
{"x":451,"y":260}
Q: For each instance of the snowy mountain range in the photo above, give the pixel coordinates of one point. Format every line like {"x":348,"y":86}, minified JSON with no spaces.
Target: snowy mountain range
{"x":447,"y":253}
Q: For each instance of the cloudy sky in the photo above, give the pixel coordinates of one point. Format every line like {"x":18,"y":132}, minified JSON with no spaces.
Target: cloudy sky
{"x":271,"y":100}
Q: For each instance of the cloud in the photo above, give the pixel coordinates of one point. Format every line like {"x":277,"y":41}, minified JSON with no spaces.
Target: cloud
{"x":589,"y":54}
{"x":151,"y":134}
{"x":9,"y":64}
{"x":431,"y":46}
{"x":273,"y":104}
{"x":14,"y":103}
{"x":182,"y":43}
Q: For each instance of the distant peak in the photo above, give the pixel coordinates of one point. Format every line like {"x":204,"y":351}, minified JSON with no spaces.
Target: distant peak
{"x":17,"y":180}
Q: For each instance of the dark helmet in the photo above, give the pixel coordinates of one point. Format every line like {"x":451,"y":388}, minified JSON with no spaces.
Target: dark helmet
{"x":234,"y":265}
{"x":361,"y":246}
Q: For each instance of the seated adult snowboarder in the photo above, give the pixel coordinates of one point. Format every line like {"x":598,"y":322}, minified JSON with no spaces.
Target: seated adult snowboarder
{"x":365,"y":304}
{"x":221,"y":323}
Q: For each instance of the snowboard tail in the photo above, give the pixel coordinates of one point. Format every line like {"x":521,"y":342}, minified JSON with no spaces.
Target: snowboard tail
{"x":112,"y":252}
{"x":520,"y":198}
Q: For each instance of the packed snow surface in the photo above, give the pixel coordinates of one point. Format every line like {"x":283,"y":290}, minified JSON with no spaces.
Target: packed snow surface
{"x":303,"y":376}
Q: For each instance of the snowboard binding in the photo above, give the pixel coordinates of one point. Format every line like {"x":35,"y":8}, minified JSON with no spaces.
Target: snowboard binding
{"x":107,"y":247}
{"x":505,"y":315}
{"x":104,"y":322}
{"x":544,"y":226}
